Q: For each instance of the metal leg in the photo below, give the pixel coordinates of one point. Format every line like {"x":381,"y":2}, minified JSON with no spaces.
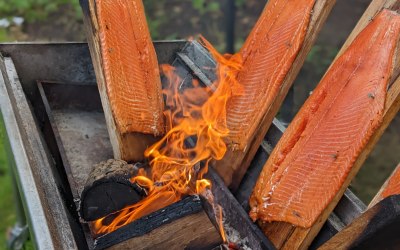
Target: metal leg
{"x":20,"y":232}
{"x":230,"y":26}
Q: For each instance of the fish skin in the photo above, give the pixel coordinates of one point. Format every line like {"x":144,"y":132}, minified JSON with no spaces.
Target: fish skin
{"x":393,"y":185}
{"x":130,"y":66}
{"x":267,"y":55}
{"x":313,"y":158}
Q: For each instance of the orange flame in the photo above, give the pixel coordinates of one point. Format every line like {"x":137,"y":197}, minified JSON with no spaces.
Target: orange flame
{"x":196,"y":119}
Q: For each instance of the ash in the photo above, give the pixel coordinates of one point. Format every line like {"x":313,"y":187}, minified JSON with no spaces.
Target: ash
{"x":233,"y":236}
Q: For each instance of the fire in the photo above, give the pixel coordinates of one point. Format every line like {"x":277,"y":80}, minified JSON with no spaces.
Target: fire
{"x":196,"y":119}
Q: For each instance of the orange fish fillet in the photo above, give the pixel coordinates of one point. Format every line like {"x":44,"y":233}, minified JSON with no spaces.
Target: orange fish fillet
{"x":130,"y":66}
{"x":267,"y":54}
{"x":311,"y":161}
{"x":392,"y":185}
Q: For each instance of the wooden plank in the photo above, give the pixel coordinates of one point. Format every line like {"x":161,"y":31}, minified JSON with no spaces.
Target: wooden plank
{"x":390,"y":187}
{"x":191,"y":232}
{"x":130,"y":145}
{"x":235,"y":219}
{"x":236,"y":162}
{"x":109,"y":189}
{"x":181,"y":225}
{"x":377,"y":228}
{"x":286,"y":236}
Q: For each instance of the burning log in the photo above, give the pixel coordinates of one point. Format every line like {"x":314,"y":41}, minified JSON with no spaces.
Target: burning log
{"x":127,"y":74}
{"x":272,"y":56}
{"x":378,"y":226}
{"x":182,"y":225}
{"x":284,"y":235}
{"x":109,"y":189}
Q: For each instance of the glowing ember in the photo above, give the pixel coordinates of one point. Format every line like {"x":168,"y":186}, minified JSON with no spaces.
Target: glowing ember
{"x":196,"y":119}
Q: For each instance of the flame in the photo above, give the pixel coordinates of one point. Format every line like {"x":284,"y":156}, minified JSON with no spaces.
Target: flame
{"x":196,"y":119}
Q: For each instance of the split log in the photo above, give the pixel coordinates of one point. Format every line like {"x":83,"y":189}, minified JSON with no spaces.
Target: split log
{"x":127,"y":74}
{"x":390,"y":187}
{"x":287,"y":236}
{"x":109,"y":189}
{"x":182,"y":225}
{"x":377,"y":228}
{"x":245,"y":234}
{"x":236,"y":161}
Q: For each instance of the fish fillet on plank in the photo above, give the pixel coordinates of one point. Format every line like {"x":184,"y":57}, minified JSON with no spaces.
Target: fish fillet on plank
{"x":317,"y":151}
{"x":267,"y":54}
{"x":393,"y":184}
{"x":390,"y":187}
{"x":130,"y":66}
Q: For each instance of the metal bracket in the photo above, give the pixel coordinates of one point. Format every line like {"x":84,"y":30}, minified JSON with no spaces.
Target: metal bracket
{"x":17,"y":237}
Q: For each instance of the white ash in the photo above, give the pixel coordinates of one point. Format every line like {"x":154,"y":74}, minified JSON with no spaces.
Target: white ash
{"x":233,"y":236}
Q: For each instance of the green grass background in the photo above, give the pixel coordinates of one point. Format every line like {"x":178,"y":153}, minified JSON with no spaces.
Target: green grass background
{"x":7,"y":214}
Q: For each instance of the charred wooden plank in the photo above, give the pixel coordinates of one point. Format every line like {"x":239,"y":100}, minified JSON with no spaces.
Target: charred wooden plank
{"x":182,"y":225}
{"x":377,"y":228}
{"x":235,"y":217}
{"x":109,"y":189}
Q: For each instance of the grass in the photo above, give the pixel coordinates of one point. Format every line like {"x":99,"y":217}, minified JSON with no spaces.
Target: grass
{"x":7,"y":211}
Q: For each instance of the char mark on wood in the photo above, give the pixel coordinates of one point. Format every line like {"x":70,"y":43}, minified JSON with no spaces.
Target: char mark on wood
{"x":109,"y":189}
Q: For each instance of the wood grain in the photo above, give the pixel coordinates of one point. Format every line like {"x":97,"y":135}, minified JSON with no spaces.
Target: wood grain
{"x":236,"y":162}
{"x":190,"y":232}
{"x":127,"y":146}
{"x":300,"y":238}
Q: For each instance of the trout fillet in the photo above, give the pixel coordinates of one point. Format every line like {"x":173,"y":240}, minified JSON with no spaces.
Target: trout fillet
{"x":392,"y":186}
{"x":130,"y":66}
{"x":389,"y":188}
{"x":312,"y":160}
{"x":267,"y":55}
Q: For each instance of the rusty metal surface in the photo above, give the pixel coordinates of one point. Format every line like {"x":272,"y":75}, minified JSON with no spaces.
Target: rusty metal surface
{"x":47,"y":214}
{"x":77,"y":120}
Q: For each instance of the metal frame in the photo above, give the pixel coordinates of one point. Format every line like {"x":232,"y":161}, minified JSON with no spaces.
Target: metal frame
{"x":19,"y":161}
{"x":45,"y":193}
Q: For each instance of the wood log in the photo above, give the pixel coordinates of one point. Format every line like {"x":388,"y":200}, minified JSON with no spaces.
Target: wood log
{"x":377,"y":228}
{"x":235,"y":163}
{"x":247,"y":235}
{"x":109,"y":189}
{"x":182,"y":225}
{"x":286,"y":236}
{"x":390,"y":187}
{"x":126,"y":76}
